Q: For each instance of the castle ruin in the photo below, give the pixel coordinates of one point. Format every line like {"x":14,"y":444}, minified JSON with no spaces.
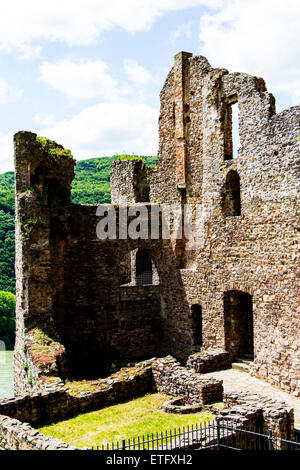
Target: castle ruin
{"x":84,"y":304}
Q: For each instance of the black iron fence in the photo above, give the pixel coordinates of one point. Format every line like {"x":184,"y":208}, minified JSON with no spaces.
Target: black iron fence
{"x":214,"y":435}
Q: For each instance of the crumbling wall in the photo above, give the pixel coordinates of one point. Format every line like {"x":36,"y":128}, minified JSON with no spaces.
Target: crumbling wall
{"x":44,"y":171}
{"x":171,"y":378}
{"x":129,"y":182}
{"x":247,"y":244}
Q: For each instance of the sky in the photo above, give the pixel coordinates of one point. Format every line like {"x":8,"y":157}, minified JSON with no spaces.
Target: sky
{"x":87,"y":73}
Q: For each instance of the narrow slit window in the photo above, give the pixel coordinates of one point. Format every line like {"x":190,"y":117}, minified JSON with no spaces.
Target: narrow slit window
{"x":197,"y":324}
{"x":230,"y":126}
{"x":235,"y":130}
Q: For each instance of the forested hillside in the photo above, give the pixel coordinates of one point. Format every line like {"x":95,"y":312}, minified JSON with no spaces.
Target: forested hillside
{"x":90,"y":186}
{"x":7,"y":232}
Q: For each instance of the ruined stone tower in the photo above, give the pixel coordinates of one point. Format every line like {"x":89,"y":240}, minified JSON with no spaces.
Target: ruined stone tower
{"x":85,"y":303}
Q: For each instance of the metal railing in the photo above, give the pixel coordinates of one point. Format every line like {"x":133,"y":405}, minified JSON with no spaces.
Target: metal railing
{"x":214,"y":435}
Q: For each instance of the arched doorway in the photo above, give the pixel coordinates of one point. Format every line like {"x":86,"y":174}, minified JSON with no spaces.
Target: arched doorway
{"x":238,"y":324}
{"x":144,"y":275}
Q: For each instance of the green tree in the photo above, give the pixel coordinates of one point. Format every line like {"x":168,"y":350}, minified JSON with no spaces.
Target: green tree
{"x":7,"y":318}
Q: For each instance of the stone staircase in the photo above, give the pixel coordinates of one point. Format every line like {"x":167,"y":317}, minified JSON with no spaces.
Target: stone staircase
{"x":243,"y":363}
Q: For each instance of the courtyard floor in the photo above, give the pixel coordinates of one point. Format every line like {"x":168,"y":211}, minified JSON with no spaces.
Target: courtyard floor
{"x":137,"y":417}
{"x":235,"y":381}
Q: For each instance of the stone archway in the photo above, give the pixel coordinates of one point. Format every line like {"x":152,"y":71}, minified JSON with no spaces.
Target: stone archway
{"x":238,"y":324}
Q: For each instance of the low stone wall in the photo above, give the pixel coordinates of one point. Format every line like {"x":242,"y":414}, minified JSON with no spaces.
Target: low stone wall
{"x":80,"y":397}
{"x":170,"y":377}
{"x":15,"y":435}
{"x":209,"y":361}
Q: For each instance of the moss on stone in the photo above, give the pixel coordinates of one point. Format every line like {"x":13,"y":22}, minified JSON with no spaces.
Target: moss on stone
{"x":53,"y":149}
{"x":131,"y":157}
{"x":76,"y":388}
{"x":30,"y":378}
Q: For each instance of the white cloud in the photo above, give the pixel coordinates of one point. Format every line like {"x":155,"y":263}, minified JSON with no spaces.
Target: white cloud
{"x":136,"y":72}
{"x":9,"y":94}
{"x":81,"y":21}
{"x":44,"y":119}
{"x":99,"y":130}
{"x":183,"y":30}
{"x":260,"y":37}
{"x":108,"y":128}
{"x":28,"y":52}
{"x":83,"y":80}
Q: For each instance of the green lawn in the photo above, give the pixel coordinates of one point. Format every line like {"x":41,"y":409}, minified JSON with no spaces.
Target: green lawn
{"x":137,"y":417}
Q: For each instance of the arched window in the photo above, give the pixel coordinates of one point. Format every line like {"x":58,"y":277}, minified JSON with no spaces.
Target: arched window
{"x":231,"y":195}
{"x":197,"y":324}
{"x":143,"y":268}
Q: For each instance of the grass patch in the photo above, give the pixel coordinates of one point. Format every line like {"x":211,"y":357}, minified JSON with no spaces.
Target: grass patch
{"x":134,"y":418}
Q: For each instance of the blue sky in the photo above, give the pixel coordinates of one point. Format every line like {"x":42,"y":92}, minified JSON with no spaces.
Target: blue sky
{"x":88,"y":73}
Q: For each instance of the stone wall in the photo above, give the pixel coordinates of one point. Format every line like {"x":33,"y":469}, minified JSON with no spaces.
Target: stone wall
{"x":44,"y":172}
{"x":140,"y":331}
{"x":58,"y":402}
{"x":67,"y":276}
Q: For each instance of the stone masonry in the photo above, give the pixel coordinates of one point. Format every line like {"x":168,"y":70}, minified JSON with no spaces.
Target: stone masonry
{"x":79,"y":309}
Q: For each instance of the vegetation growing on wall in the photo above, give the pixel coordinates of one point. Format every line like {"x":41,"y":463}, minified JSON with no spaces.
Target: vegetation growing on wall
{"x":52,"y":148}
{"x":43,"y":349}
